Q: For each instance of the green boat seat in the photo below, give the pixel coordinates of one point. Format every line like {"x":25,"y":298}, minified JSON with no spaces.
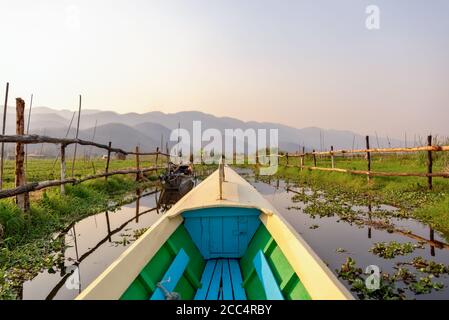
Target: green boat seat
{"x":172,"y":275}
{"x":221,"y":280}
{"x":266,"y":277}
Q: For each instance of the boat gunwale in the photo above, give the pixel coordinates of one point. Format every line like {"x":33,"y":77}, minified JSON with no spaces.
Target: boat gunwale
{"x":288,"y":240}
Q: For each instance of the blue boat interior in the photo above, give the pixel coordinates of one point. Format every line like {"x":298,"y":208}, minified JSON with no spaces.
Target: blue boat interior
{"x":222,"y":235}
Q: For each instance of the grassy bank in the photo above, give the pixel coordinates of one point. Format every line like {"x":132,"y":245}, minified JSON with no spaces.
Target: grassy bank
{"x":28,"y":244}
{"x":410,"y":194}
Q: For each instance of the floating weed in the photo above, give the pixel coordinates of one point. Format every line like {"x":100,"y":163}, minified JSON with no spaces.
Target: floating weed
{"x":426,"y":266}
{"x":404,"y":274}
{"x":392,"y":249}
{"x":387,"y":290}
{"x":425,"y":285}
{"x":314,"y":226}
{"x":340,"y":250}
{"x":139,"y":232}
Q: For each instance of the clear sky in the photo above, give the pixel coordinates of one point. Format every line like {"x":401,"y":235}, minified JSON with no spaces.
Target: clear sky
{"x":301,"y":63}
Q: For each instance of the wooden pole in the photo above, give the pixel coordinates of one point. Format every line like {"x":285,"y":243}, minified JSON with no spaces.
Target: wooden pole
{"x":3,"y":133}
{"x":286,"y":158}
{"x":76,"y":137}
{"x":332,"y":157}
{"x":314,"y":158}
{"x":63,"y":167}
{"x":157,"y":155}
{"x":137,"y":164}
{"x":22,"y":200}
{"x":108,"y":159}
{"x":27,"y":132}
{"x":302,"y":157}
{"x":368,"y":158}
{"x":429,"y":162}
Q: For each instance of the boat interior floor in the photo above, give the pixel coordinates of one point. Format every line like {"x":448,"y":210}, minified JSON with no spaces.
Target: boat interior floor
{"x":221,"y":280}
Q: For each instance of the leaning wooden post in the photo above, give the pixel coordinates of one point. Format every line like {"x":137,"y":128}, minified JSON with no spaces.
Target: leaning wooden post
{"x":22,"y":200}
{"x":429,"y":162}
{"x":76,"y":137}
{"x":137,"y":163}
{"x":368,"y":158}
{"x":314,"y":157}
{"x":63,"y":167}
{"x":332,"y":157}
{"x":108,"y":160}
{"x":3,"y":133}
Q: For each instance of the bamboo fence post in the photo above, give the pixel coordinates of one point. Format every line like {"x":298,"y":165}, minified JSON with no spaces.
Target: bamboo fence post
{"x":429,"y":162}
{"x":314,"y":157}
{"x":302,"y":157}
{"x":63,"y":167}
{"x":22,"y":200}
{"x":3,"y":133}
{"x":368,"y":158}
{"x":108,"y":160}
{"x":76,"y":137}
{"x":157,"y":155}
{"x":257,"y":157}
{"x":332,"y":157}
{"x":137,"y":164}
{"x":27,"y":132}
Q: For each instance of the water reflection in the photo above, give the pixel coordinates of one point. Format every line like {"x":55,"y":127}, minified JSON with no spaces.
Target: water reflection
{"x":95,"y":242}
{"x":357,"y":237}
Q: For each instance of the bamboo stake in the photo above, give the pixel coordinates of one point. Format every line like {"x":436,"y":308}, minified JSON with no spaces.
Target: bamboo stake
{"x":314,"y":157}
{"x":27,"y":132}
{"x":429,"y":162}
{"x":137,"y":164}
{"x":332,"y":157}
{"x":302,"y":157}
{"x":76,"y":137}
{"x":108,"y":159}
{"x":63,"y":167}
{"x":368,"y":158}
{"x":5,"y":107}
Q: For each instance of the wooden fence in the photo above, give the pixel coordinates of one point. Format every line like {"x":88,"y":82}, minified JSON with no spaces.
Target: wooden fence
{"x":367,"y":152}
{"x":22,"y":188}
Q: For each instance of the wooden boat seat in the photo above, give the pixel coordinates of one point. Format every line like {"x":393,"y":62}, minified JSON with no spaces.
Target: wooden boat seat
{"x":171,"y":276}
{"x":266,"y":277}
{"x":221,"y":280}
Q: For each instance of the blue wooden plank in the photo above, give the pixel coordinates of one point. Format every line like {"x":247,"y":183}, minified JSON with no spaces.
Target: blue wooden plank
{"x":230,"y":235}
{"x":215,"y":234}
{"x":206,"y":278}
{"x":173,"y":274}
{"x":267,"y":278}
{"x":222,"y":232}
{"x":236,"y":279}
{"x":214,"y":287}
{"x":226,"y":281}
{"x":221,"y":212}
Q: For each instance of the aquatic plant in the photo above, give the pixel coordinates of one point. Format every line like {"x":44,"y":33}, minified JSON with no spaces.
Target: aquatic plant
{"x":392,"y":249}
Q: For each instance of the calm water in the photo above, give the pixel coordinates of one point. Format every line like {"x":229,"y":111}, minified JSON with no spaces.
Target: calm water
{"x":95,"y":242}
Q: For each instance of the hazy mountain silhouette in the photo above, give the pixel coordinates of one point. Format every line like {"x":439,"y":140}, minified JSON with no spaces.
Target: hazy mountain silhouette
{"x":131,"y":129}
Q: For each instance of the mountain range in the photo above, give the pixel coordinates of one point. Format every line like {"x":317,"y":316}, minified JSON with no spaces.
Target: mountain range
{"x":149,"y":129}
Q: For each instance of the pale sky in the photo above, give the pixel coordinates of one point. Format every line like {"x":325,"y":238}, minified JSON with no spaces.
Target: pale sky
{"x":301,"y":63}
